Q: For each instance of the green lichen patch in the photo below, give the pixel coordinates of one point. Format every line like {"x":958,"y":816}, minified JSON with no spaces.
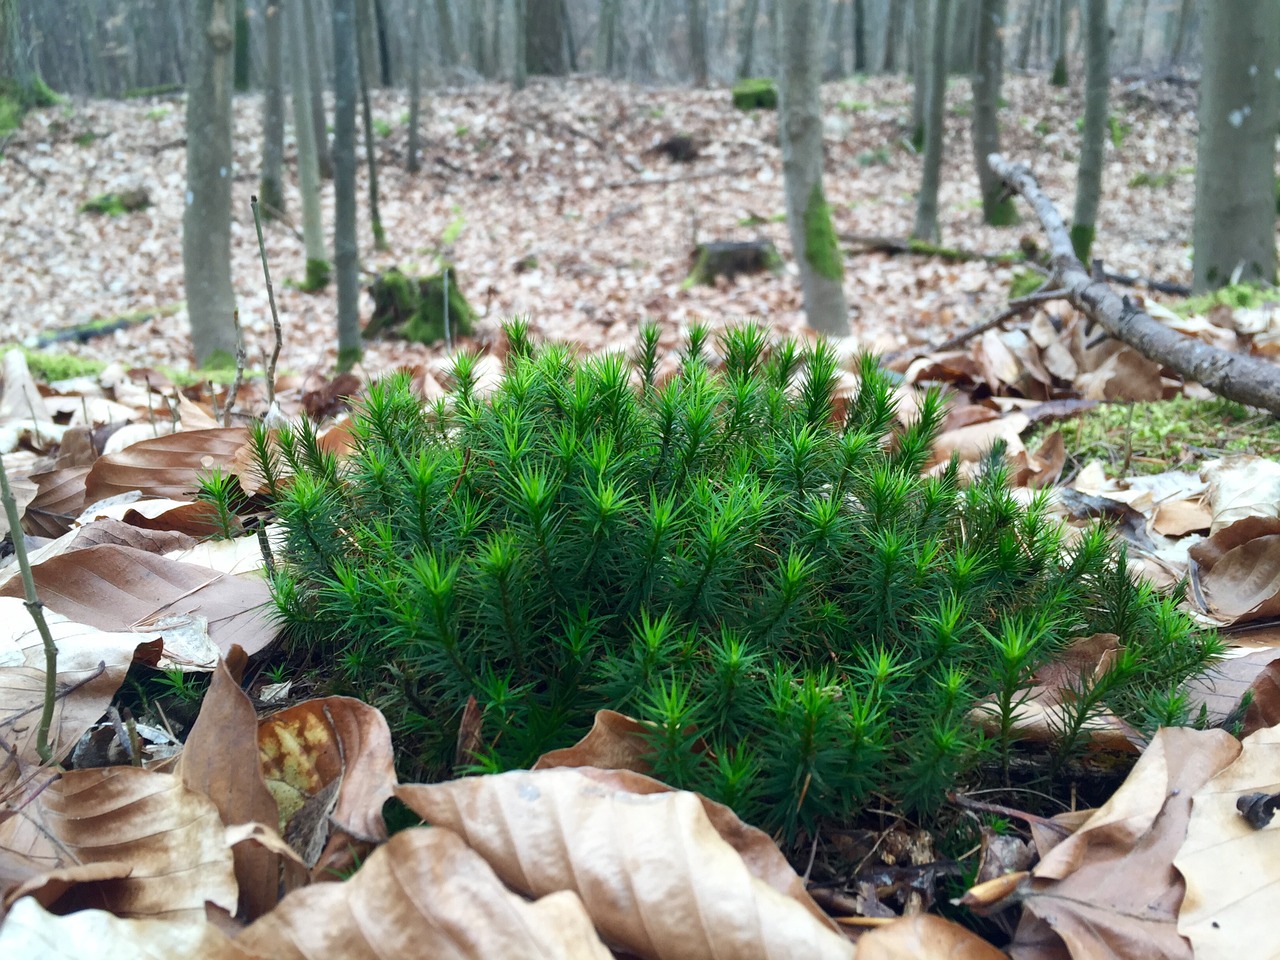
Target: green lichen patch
{"x":1082,"y":241}
{"x":47,"y":366}
{"x":1237,"y":296}
{"x":317,"y":278}
{"x":821,"y":248}
{"x":755,"y":93}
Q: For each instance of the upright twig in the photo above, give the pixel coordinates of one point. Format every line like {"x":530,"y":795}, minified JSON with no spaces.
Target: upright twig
{"x":239,"y":378}
{"x":36,"y":609}
{"x":271,"y":298}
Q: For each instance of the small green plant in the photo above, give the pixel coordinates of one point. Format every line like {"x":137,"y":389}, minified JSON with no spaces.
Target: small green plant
{"x":461,"y":130}
{"x":1156,"y":181}
{"x":454,"y":230}
{"x":277,"y":674}
{"x":117,"y":204}
{"x":759,"y":93}
{"x":1118,"y":130}
{"x":1025,"y":283}
{"x":183,"y":687}
{"x":382,"y":127}
{"x":1043,"y":127}
{"x":874,"y":158}
{"x":854,"y":106}
{"x":758,"y":569}
{"x":157,"y":113}
{"x":84,"y":139}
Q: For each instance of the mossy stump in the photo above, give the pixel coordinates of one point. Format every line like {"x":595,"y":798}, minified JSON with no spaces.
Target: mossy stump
{"x":756,"y":93}
{"x":728,"y":258}
{"x":415,"y":307}
{"x":116,"y":204}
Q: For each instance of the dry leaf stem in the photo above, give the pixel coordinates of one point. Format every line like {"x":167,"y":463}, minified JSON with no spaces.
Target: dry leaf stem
{"x":36,"y":609}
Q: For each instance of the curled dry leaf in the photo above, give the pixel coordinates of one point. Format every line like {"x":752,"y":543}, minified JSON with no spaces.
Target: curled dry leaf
{"x":328,"y":763}
{"x":1232,"y":871}
{"x":972,"y":442}
{"x":423,"y":894}
{"x":1241,"y":486}
{"x":655,"y":875}
{"x":91,"y":666}
{"x":1109,"y":889}
{"x":925,"y":937}
{"x":164,"y":466}
{"x":1237,"y":571}
{"x":30,"y":931}
{"x":169,"y":837}
{"x":614,"y":742}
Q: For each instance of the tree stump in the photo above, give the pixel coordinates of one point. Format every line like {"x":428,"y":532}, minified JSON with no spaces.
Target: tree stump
{"x":728,"y":258}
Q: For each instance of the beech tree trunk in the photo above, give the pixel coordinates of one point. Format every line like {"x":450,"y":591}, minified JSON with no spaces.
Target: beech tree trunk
{"x":520,"y":75}
{"x":315,"y":89}
{"x":607,"y":41}
{"x":448,"y":40}
{"x":920,"y":10}
{"x":346,"y":84}
{"x":1059,"y":77}
{"x":370,"y":154}
{"x":317,"y":276}
{"x":1093,"y":142}
{"x":892,"y":35}
{"x":414,"y":163}
{"x":271,"y":186}
{"x":747,"y":39}
{"x":813,"y":238}
{"x":698,"y":42}
{"x":206,"y":222}
{"x":1235,"y":216}
{"x":1181,"y":33}
{"x":988,"y":76}
{"x":545,"y":37}
{"x":926,"y":227}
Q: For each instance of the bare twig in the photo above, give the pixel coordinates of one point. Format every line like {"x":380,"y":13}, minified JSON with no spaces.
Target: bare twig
{"x":36,"y":609}
{"x":240,"y":362}
{"x":1238,"y":377}
{"x":271,"y":298}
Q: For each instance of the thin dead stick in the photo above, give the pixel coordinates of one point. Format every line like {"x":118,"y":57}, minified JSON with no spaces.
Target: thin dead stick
{"x":240,"y":362}
{"x":271,"y":298}
{"x":1015,"y":307}
{"x":1236,"y":376}
{"x":36,"y":609}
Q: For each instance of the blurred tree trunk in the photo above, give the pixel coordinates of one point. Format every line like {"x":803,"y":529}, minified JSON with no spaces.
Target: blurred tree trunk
{"x":893,"y":35}
{"x":747,"y":39}
{"x":1060,"y":77}
{"x":607,"y":41}
{"x":242,"y":46}
{"x":1235,"y":213}
{"x":698,"y":41}
{"x":520,"y":75}
{"x":370,"y":152}
{"x":315,"y":91}
{"x":926,"y":227}
{"x":317,"y":277}
{"x":366,"y":34}
{"x":384,"y":50}
{"x":479,"y":41}
{"x":1140,"y":22}
{"x":447,"y":38}
{"x":545,"y":37}
{"x":1093,"y":143}
{"x":414,"y":164}
{"x":962,"y":36}
{"x":271,"y":186}
{"x":1181,"y":33}
{"x":813,"y":238}
{"x":1030,"y":21}
{"x":859,"y":25}
{"x":346,"y":83}
{"x":920,"y":11}
{"x":206,"y":222}
{"x":988,"y":75}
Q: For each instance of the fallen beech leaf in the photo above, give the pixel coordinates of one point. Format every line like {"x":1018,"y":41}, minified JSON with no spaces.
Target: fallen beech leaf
{"x":925,"y":937}
{"x":1177,"y":518}
{"x":423,"y":894}
{"x":127,"y":535}
{"x":1220,"y":686}
{"x":164,"y":466}
{"x":972,"y":443}
{"x":119,"y":588}
{"x":1241,"y":486}
{"x":1125,"y":375}
{"x":614,"y":742}
{"x":1110,"y":890}
{"x":1237,"y":570}
{"x":220,"y":760}
{"x":170,"y":837}
{"x":29,"y":931}
{"x":1232,"y":871}
{"x":58,"y":501}
{"x":654,"y":874}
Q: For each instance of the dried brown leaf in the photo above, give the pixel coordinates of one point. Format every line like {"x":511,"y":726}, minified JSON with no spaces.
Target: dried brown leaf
{"x":1237,"y":570}
{"x":925,"y":937}
{"x":167,"y":467}
{"x":614,"y":742}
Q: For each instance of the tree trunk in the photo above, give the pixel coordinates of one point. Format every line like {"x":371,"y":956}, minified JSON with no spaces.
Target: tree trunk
{"x":1235,"y":213}
{"x":961,"y":37}
{"x":206,"y":223}
{"x":366,"y":34}
{"x":520,"y":75}
{"x":920,"y":12}
{"x":607,"y":42}
{"x":271,"y":186}
{"x":893,"y":36}
{"x":1060,"y":77}
{"x":926,"y":227}
{"x":747,"y":39}
{"x":1181,"y":33}
{"x":1033,"y":9}
{"x":1141,"y":42}
{"x":479,"y":41}
{"x":346,"y":248}
{"x":414,"y":164}
{"x":859,"y":36}
{"x":384,"y":50}
{"x":813,"y":238}
{"x":698,"y":41}
{"x":545,"y":37}
{"x":317,"y":276}
{"x":315,"y":90}
{"x":1093,"y":144}
{"x":448,"y":40}
{"x":370,"y":153}
{"x":988,"y":75}
{"x":242,"y":47}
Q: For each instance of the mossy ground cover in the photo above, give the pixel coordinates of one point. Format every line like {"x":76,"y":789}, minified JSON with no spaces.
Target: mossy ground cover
{"x":760,"y":572}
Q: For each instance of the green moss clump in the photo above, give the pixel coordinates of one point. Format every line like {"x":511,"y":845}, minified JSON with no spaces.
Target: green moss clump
{"x":50,"y":367}
{"x":16,"y":100}
{"x":317,"y":278}
{"x":1157,"y":181}
{"x":117,"y":204}
{"x":417,"y":306}
{"x":732,"y":555}
{"x":1025,"y":283}
{"x":1245,"y":296}
{"x":1059,"y":76}
{"x":756,"y":93}
{"x":1082,"y":241}
{"x":821,"y":247}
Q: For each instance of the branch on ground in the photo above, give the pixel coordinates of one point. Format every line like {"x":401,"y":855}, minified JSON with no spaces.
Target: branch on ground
{"x":1235,"y":376}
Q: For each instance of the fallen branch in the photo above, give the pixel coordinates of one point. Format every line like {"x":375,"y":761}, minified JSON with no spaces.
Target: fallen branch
{"x":895,"y":246}
{"x":1015,"y":307}
{"x":1235,"y":376}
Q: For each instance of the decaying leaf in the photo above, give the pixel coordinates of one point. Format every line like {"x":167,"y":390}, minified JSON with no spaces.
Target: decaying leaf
{"x":1241,"y":486}
{"x":423,"y":894}
{"x":1237,"y":572}
{"x":614,"y":742}
{"x":167,"y":467}
{"x":925,"y":937}
{"x":655,"y":875}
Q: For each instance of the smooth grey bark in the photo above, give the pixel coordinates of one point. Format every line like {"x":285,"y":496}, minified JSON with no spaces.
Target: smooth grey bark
{"x":413,"y":164}
{"x":447,"y":38}
{"x":544,"y":35}
{"x":859,"y":38}
{"x":315,"y":90}
{"x":926,"y":226}
{"x":1140,"y":22}
{"x":366,"y":38}
{"x":271,"y":185}
{"x":988,"y":76}
{"x":1181,"y":33}
{"x":478,"y":40}
{"x":1093,"y":142}
{"x":813,"y":239}
{"x":370,"y":153}
{"x":317,"y":276}
{"x":698,"y":41}
{"x":607,"y":59}
{"x":520,"y":74}
{"x":346,"y":247}
{"x":1235,"y":216}
{"x":1031,"y":20}
{"x":920,"y":11}
{"x":1060,"y":77}
{"x":961,"y":37}
{"x":893,"y":36}
{"x":206,"y":222}
{"x":747,"y":38}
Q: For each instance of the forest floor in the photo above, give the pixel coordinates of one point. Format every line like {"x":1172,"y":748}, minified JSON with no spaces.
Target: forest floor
{"x":552,"y":203}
